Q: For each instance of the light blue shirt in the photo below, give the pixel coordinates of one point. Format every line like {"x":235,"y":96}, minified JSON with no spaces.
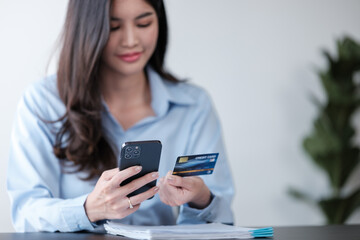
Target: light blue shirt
{"x":45,"y":198}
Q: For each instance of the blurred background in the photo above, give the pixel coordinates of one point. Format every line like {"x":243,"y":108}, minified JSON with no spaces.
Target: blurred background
{"x":259,"y":62}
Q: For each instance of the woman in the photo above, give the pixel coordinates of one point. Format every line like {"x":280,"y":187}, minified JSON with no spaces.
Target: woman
{"x":111,"y":87}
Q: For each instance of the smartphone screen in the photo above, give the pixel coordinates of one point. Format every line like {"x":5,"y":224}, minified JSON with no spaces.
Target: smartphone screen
{"x":140,"y":153}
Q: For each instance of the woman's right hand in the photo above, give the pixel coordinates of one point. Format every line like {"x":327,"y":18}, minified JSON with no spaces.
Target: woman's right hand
{"x":109,"y":200}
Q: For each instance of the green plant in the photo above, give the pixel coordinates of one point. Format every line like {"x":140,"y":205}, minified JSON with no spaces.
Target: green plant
{"x":331,"y":143}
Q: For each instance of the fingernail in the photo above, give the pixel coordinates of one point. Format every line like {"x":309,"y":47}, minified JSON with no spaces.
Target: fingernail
{"x":156,"y":189}
{"x":138,"y":168}
{"x":170,"y":179}
{"x":155,"y":175}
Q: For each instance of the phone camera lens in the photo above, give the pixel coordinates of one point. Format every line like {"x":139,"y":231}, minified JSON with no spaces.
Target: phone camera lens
{"x":136,"y":152}
{"x":127,"y":156}
{"x":129,"y":149}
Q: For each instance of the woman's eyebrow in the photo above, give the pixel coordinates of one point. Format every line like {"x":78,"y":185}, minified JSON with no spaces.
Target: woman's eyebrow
{"x":146,"y":14}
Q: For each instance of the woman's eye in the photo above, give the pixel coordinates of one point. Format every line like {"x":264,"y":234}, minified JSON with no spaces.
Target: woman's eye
{"x":114,"y":28}
{"x":144,"y":25}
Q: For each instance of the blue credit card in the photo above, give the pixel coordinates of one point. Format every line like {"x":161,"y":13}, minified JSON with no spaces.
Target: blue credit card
{"x":194,"y":165}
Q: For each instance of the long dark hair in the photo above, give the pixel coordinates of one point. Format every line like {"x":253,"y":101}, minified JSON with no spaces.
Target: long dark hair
{"x":80,"y":140}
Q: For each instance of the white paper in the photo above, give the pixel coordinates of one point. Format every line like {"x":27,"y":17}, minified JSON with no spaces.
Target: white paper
{"x":196,"y":231}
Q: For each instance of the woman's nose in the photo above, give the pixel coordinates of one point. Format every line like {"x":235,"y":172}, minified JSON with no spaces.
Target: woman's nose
{"x":129,"y":38}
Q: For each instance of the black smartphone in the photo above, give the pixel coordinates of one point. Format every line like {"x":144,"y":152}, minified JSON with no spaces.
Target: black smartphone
{"x":141,"y":153}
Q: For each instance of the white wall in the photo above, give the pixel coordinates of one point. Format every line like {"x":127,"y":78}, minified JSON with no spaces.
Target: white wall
{"x":256,"y":58}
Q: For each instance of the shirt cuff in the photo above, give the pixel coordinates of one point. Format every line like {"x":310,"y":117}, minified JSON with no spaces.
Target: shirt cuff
{"x":75,"y":216}
{"x":217,"y":211}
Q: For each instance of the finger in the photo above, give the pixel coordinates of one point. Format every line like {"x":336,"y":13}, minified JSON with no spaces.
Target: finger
{"x":175,"y":181}
{"x":169,"y":195}
{"x":124,"y":174}
{"x":125,"y":210}
{"x":108,"y":174}
{"x":132,"y":210}
{"x":137,"y":199}
{"x":160,"y":181}
{"x":138,"y":183}
{"x":172,"y":179}
{"x":183,"y":182}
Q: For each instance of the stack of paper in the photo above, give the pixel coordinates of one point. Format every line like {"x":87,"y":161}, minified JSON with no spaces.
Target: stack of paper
{"x":197,"y":231}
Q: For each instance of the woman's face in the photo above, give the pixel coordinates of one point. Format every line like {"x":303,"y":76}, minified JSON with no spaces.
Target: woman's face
{"x":133,"y":37}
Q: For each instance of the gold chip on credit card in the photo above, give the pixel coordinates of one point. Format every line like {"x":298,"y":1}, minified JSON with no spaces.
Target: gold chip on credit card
{"x":183,"y":159}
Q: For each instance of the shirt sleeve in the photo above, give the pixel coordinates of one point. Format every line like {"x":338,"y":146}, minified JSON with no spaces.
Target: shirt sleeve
{"x":34,"y":175}
{"x":206,"y":137}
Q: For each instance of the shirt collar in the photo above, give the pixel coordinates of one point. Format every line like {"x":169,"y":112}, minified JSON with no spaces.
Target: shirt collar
{"x":165,"y":93}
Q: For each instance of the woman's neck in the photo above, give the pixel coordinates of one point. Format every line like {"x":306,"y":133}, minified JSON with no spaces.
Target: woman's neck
{"x":123,"y":92}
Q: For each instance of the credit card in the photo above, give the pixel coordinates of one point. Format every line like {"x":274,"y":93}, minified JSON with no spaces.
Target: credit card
{"x":194,"y":165}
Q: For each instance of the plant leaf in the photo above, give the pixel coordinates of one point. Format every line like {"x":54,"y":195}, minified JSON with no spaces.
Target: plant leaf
{"x":338,"y":209}
{"x":299,"y":195}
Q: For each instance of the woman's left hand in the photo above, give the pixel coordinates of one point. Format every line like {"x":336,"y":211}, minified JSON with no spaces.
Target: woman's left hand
{"x":176,"y":191}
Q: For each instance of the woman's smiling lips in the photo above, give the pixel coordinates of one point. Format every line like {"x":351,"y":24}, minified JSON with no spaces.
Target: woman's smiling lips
{"x":130,"y":57}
